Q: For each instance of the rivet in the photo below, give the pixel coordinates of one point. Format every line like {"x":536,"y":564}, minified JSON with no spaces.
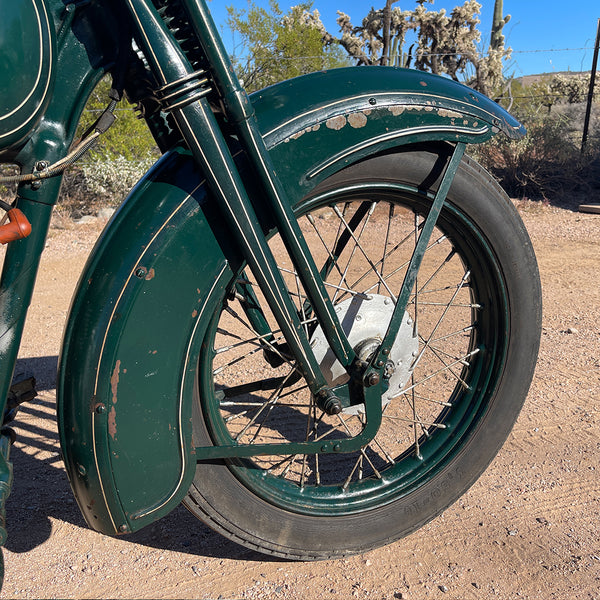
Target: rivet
{"x":141,"y":272}
{"x":372,"y":101}
{"x":100,"y":409}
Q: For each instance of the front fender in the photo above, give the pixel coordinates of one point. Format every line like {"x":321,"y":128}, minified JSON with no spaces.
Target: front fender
{"x":137,"y":321}
{"x":317,"y":124}
{"x":128,"y":367}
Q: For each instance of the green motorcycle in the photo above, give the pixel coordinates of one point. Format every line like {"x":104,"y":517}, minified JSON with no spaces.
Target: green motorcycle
{"x":313,"y":321}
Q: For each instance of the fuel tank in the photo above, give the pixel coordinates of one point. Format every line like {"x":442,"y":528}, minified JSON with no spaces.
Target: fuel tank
{"x":27,"y":60}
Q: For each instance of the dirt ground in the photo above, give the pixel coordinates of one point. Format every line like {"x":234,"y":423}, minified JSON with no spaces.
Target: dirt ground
{"x":529,"y":528}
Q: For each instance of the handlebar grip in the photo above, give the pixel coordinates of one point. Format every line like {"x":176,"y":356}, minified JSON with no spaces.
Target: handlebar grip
{"x":18,"y":227}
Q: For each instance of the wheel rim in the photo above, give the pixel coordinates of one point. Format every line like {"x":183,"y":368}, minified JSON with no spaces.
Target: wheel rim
{"x":460,"y":320}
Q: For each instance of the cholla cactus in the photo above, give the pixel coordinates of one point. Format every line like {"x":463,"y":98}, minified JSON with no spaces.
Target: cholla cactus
{"x":497,"y":38}
{"x":447,"y":42}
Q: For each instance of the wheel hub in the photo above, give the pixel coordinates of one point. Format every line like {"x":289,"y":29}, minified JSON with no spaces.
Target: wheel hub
{"x":365,"y":320}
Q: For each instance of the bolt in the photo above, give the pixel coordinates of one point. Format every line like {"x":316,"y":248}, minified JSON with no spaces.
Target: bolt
{"x":100,"y":409}
{"x":385,"y":351}
{"x":123,"y":528}
{"x":41,"y":165}
{"x":373,"y":379}
{"x":141,"y":272}
{"x":372,"y":101}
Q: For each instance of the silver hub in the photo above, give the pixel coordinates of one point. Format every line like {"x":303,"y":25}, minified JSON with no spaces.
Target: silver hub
{"x":365,"y":321}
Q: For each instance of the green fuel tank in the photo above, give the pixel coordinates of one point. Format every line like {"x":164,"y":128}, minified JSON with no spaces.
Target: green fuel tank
{"x":27,"y":59}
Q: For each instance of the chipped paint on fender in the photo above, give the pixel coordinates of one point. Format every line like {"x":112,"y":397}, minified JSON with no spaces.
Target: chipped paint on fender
{"x":450,"y":114}
{"x":336,"y":123}
{"x":357,"y":120}
{"x":112,"y":415}
{"x":397,"y":109}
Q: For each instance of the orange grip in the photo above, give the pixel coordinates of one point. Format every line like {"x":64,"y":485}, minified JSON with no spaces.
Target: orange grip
{"x":17,"y":228}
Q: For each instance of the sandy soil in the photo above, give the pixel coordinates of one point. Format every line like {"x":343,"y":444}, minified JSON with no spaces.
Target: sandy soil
{"x":529,"y":528}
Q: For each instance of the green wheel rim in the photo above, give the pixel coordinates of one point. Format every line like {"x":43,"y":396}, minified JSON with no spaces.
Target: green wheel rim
{"x":463,"y":336}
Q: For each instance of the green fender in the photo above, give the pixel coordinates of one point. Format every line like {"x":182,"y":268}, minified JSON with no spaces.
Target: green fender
{"x":131,"y":346}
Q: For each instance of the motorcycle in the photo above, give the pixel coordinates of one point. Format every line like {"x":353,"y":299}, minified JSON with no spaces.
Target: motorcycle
{"x":313,"y":321}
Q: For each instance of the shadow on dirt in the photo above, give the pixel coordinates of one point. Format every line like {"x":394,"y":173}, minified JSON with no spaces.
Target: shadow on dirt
{"x":41,"y":491}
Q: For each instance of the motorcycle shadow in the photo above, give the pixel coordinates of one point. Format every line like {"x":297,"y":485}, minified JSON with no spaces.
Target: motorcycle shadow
{"x":42,"y":500}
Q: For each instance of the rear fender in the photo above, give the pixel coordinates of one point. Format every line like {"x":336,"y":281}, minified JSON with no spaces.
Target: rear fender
{"x":160,"y":269}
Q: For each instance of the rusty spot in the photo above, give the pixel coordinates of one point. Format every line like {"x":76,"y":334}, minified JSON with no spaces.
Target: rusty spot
{"x":112,"y":423}
{"x":423,"y":83}
{"x":194,"y":314}
{"x":336,"y":123}
{"x":357,"y":120}
{"x":150,"y":275}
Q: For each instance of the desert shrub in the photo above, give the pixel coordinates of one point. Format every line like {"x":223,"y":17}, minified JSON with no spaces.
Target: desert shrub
{"x":547,"y":164}
{"x":100,"y":183}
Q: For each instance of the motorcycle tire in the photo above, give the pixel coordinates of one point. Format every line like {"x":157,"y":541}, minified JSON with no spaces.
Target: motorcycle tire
{"x":458,"y":374}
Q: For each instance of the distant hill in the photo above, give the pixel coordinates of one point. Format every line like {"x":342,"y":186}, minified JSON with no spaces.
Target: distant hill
{"x":528,"y":80}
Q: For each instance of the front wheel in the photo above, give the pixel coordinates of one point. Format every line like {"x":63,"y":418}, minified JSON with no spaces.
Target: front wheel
{"x":456,"y":377}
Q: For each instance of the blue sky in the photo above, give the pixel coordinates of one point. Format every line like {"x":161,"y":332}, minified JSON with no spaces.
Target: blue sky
{"x":539,"y":31}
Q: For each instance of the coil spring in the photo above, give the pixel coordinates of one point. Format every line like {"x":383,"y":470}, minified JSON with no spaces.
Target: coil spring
{"x":174,"y":16}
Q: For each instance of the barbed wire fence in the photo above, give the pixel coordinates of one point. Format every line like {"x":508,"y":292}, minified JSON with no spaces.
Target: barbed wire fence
{"x":513,"y":72}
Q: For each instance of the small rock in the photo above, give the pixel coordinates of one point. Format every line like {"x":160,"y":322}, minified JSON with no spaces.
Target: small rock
{"x":443,"y":588}
{"x":573,"y":330}
{"x":86,"y":219}
{"x":542,"y":521}
{"x":106,"y":213}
